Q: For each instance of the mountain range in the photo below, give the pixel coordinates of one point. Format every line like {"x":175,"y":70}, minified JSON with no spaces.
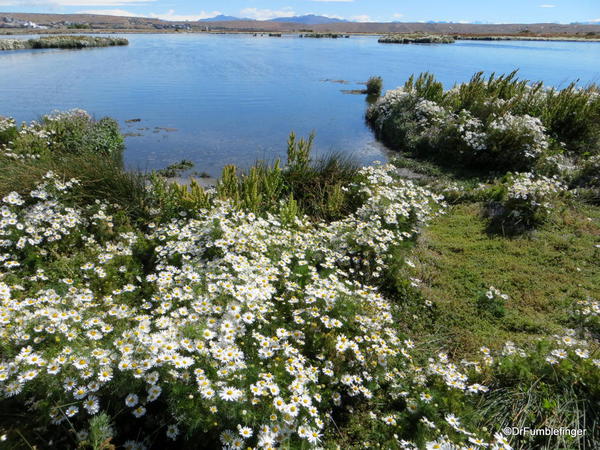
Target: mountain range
{"x":309,"y":19}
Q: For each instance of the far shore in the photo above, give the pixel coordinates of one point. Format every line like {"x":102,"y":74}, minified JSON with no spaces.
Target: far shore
{"x":458,"y":37}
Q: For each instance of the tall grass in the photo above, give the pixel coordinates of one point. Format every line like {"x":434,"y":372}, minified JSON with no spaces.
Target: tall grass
{"x":307,"y":186}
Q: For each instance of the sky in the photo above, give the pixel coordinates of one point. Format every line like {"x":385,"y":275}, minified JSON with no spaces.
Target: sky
{"x":486,"y":11}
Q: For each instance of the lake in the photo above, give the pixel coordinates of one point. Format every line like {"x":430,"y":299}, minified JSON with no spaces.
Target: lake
{"x":222,"y":99}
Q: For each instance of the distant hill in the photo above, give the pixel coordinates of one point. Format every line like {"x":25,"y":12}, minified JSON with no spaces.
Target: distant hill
{"x":222,"y":18}
{"x":309,"y":19}
{"x":58,"y":23}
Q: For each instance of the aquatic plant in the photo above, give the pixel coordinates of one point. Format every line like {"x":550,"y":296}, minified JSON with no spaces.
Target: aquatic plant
{"x":374,"y":86}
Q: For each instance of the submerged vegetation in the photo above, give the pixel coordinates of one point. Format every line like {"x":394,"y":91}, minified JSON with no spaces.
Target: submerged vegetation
{"x":66,"y":42}
{"x":416,"y":39}
{"x":306,"y":303}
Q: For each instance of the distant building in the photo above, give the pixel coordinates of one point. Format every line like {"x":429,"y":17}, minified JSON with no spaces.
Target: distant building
{"x":9,"y":22}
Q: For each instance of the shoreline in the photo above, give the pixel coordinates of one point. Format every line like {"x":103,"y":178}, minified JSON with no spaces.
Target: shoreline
{"x":458,"y":37}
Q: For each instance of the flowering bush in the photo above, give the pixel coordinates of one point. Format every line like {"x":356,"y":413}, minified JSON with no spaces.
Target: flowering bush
{"x":72,"y":132}
{"x":242,"y":325}
{"x":496,"y":124}
{"x":529,"y":198}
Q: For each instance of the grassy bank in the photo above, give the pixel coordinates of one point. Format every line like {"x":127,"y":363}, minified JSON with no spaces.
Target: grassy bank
{"x":301,"y":304}
{"x":66,"y":42}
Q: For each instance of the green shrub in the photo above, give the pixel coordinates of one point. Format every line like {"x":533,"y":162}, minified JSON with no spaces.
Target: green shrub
{"x":75,"y":132}
{"x":495,"y":123}
{"x":8,"y":131}
{"x":374,"y":86}
{"x":529,"y":200}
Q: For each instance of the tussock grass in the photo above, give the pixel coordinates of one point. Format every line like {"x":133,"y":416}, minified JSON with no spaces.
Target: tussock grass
{"x":313,"y":186}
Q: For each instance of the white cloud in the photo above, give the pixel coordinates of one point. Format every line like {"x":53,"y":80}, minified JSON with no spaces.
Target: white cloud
{"x":361,"y":18}
{"x":398,"y":16}
{"x":266,"y":14}
{"x":109,"y":12}
{"x":55,"y":3}
{"x":547,"y":6}
{"x":170,"y":15}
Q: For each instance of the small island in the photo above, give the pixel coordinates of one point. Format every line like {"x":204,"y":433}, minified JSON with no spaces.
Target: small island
{"x":74,"y":42}
{"x":325,"y":35}
{"x":416,"y":39}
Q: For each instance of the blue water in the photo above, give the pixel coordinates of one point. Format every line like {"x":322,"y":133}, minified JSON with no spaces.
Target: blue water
{"x":234,"y":99}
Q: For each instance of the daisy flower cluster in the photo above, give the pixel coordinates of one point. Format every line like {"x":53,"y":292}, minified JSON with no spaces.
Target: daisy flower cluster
{"x":530,"y":197}
{"x":7,"y":123}
{"x":577,"y":354}
{"x":27,"y":224}
{"x":265,"y":324}
{"x":527,"y":132}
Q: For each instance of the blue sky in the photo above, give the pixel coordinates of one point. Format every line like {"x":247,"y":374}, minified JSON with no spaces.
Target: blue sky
{"x":492,"y":11}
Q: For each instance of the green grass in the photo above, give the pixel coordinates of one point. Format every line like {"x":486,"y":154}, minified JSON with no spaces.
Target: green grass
{"x":543,"y":272}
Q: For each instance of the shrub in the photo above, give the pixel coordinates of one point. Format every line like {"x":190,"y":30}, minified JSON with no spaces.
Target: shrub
{"x":8,"y":131}
{"x":498,"y":123}
{"x":374,"y":86}
{"x":529,"y":199}
{"x":589,"y":174}
{"x":76,"y":133}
